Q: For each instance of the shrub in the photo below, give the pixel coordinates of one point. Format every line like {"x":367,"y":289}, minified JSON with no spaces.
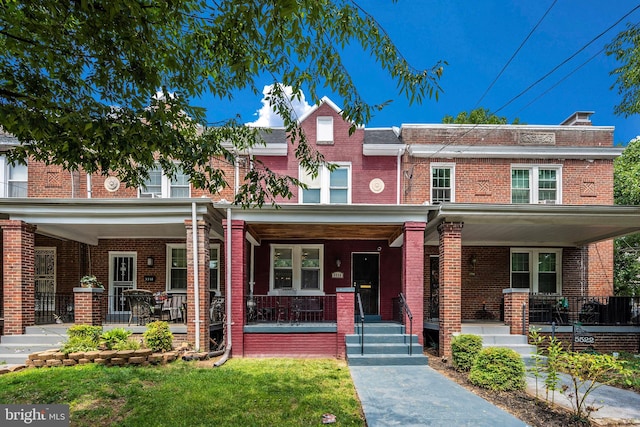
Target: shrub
{"x":112,"y":338}
{"x":465,"y":349}
{"x":158,"y":337}
{"x":82,"y":338}
{"x":498,"y":368}
{"x":128,"y":344}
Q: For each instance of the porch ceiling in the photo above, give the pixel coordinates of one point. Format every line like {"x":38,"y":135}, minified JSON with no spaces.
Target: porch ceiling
{"x":326,"y":231}
{"x":535,"y":225}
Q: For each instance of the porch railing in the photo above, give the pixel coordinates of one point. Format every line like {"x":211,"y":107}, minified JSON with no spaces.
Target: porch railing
{"x":290,"y":309}
{"x":607,"y":310}
{"x":141,"y":309}
{"x":407,"y":311}
{"x":54,"y":308}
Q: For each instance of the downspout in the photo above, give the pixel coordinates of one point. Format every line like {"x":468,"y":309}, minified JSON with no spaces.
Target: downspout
{"x":89,"y":189}
{"x":196,"y":277}
{"x":398,"y":175}
{"x":227,"y":297}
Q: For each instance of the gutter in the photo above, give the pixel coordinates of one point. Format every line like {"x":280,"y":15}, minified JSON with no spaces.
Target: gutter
{"x":196,"y":276}
{"x":227,"y":347}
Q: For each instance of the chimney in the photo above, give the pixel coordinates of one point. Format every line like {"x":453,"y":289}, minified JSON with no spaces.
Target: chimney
{"x":579,"y":118}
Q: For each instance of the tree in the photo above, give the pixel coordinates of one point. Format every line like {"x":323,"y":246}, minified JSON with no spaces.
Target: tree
{"x":111,"y":87}
{"x":478,"y":116}
{"x":625,"y":48}
{"x":626,"y":191}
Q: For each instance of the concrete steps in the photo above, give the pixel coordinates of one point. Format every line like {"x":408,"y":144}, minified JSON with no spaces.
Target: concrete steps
{"x":385,"y":344}
{"x":14,"y":349}
{"x":496,"y":335}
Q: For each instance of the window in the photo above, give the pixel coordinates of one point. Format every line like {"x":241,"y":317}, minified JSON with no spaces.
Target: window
{"x":442,"y":183}
{"x":177,"y":268}
{"x":328,"y":187}
{"x":214,"y":268}
{"x":14,"y":183}
{"x":296,"y":268}
{"x":537,"y":269}
{"x":535,"y":184}
{"x":159,"y":185}
{"x":324,"y":130}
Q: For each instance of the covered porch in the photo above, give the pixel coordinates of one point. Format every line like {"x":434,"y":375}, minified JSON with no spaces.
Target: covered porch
{"x":487,"y":261}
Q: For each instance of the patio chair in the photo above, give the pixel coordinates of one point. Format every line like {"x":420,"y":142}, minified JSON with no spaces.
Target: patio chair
{"x":140,"y":305}
{"x":176,"y":307}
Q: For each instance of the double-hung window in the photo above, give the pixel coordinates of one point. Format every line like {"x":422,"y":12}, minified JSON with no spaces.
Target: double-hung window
{"x":15,"y":179}
{"x":537,"y":269}
{"x":176,"y":267}
{"x":329,"y":186}
{"x":214,"y":269}
{"x":536,"y":184}
{"x":324,"y":130}
{"x":160,"y":185}
{"x":296,"y":268}
{"x":442,"y":183}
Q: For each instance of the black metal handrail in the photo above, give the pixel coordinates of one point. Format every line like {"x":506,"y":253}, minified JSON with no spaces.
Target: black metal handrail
{"x":361,"y":323}
{"x":405,"y":307}
{"x":54,"y":308}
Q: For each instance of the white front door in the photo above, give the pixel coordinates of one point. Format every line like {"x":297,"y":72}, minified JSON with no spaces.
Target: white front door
{"x":122,"y":276}
{"x":45,"y":278}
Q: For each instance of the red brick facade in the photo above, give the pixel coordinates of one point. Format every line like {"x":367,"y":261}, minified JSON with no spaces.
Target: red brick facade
{"x":198,"y":323}
{"x":450,"y":293}
{"x":88,"y":306}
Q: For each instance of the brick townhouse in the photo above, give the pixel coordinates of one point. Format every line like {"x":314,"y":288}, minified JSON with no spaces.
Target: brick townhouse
{"x":467,"y":222}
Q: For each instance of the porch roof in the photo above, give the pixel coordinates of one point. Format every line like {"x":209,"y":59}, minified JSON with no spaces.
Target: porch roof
{"x":534,"y":225}
{"x":87,"y":220}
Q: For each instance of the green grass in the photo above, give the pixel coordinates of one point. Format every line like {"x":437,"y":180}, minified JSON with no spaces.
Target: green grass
{"x":243,"y":392}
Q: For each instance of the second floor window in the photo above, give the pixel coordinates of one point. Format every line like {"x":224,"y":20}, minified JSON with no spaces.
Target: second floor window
{"x":159,"y":185}
{"x":17,"y":180}
{"x":328,"y":187}
{"x":324,"y":130}
{"x":442,"y":183}
{"x":535,"y":184}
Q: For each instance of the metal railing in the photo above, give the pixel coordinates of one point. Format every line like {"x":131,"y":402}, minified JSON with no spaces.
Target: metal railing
{"x":361,"y":313}
{"x":405,"y":308}
{"x":290,"y":309}
{"x":607,"y":310}
{"x":54,"y":308}
{"x":141,"y":309}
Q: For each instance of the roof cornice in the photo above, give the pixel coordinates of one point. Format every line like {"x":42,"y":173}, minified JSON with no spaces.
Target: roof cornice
{"x":444,"y":151}
{"x":383,"y":149}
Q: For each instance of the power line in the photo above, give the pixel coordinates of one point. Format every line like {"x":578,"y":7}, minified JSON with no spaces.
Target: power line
{"x":515,"y":53}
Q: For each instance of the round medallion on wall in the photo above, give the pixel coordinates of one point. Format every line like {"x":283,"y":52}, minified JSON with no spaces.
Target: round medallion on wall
{"x":112,"y":184}
{"x":376,"y":185}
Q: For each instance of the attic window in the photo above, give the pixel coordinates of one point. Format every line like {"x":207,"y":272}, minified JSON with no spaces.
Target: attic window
{"x":324,"y":131}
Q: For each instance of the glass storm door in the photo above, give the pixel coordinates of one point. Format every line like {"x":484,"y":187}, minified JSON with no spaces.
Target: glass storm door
{"x":122,"y":276}
{"x":45,"y":279}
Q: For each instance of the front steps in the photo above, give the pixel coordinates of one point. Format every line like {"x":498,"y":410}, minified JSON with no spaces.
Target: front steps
{"x":498,"y":335}
{"x":385,"y":343}
{"x":15,"y":349}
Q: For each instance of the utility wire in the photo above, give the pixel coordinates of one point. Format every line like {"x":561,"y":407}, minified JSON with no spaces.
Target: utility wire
{"x":515,"y":53}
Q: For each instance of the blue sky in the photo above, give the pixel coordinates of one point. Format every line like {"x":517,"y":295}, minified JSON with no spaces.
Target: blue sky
{"x":477,"y":38}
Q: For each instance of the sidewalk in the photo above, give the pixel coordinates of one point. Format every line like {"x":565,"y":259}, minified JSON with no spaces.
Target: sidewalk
{"x":420,"y":396}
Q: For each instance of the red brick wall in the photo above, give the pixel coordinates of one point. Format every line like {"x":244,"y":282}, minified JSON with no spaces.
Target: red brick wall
{"x":605,"y":342}
{"x":88,"y":306}
{"x":239,"y":284}
{"x":201,"y":233}
{"x":450,"y":284}
{"x":413,"y":272}
{"x":345,"y":319}
{"x":290,"y":345}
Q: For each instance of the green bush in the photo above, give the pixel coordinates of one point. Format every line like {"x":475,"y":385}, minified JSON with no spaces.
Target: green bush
{"x":498,"y":368}
{"x":128,"y":344}
{"x":112,"y":338}
{"x":465,"y":349}
{"x":158,"y":337}
{"x":82,"y":338}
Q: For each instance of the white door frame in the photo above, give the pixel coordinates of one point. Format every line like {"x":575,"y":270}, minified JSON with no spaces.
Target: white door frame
{"x":120,"y":280}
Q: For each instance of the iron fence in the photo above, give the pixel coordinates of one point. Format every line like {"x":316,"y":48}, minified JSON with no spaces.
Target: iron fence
{"x":54,"y":308}
{"x":143,"y":307}
{"x":604,"y":310}
{"x":290,"y":309}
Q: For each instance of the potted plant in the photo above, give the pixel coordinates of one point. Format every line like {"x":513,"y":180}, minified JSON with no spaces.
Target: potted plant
{"x":90,"y":282}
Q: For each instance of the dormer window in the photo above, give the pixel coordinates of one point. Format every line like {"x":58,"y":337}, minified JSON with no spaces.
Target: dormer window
{"x":324,"y":130}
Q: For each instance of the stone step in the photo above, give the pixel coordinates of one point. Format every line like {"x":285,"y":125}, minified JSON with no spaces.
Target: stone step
{"x":380,"y":328}
{"x":54,"y":339}
{"x":381,"y":338}
{"x":383,"y":348}
{"x":18,"y":354}
{"x":48,"y":329}
{"x":521,"y":349}
{"x":503,"y":340}
{"x":485,"y":329}
{"x":387,"y":359}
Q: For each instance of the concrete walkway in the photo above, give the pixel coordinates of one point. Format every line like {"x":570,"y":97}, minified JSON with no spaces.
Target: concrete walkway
{"x":420,"y":396}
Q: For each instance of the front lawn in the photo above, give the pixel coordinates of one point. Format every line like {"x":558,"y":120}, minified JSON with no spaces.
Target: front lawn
{"x":243,"y":392}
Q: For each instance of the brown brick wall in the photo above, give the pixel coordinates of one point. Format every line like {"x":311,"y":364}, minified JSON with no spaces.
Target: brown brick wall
{"x":290,"y":345}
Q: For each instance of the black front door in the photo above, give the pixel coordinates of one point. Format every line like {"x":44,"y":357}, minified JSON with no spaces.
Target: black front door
{"x":366,"y":280}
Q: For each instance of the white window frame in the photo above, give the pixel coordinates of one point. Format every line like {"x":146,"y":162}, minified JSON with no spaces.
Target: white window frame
{"x":323,"y":183}
{"x":534,"y":270}
{"x":534,"y":188}
{"x":215,"y":246}
{"x":296,"y":255}
{"x":169,"y":267}
{"x":324,"y":130}
{"x":165,"y":186}
{"x":5,"y":171}
{"x":452,"y":188}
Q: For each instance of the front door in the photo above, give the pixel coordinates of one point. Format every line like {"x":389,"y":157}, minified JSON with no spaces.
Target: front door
{"x":122,"y":276}
{"x":367,"y":281}
{"x":45,"y":279}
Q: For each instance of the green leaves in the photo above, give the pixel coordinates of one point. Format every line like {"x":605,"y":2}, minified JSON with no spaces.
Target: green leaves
{"x":625,"y":48}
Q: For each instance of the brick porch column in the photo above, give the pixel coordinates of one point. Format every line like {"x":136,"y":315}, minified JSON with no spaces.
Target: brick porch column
{"x":202,"y":229}
{"x":514,"y":299}
{"x":413,"y":275}
{"x":239,"y":281}
{"x":18,"y":239}
{"x":88,"y":306}
{"x":450,"y":317}
{"x":345,"y":300}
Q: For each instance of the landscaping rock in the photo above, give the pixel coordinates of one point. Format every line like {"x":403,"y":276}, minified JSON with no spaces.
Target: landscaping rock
{"x":38,"y":363}
{"x":143,"y":352}
{"x":58,"y":355}
{"x":84,"y":361}
{"x":125,"y":354}
{"x":119,"y":361}
{"x":136,"y":360}
{"x":76,"y":356}
{"x":54,"y":362}
{"x":100,"y":361}
{"x":4,"y":371}
{"x":69,"y":362}
{"x":155,"y":358}
{"x":92,"y":355}
{"x":107,"y":354}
